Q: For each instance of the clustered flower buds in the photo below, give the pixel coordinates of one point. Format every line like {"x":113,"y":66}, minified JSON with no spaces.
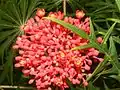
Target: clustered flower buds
{"x":45,"y":51}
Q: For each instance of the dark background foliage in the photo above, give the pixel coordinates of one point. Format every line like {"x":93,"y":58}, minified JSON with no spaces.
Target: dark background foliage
{"x":103,"y":13}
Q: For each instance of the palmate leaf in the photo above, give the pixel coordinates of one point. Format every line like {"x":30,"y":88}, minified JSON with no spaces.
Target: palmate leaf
{"x":14,"y":14}
{"x":5,"y":34}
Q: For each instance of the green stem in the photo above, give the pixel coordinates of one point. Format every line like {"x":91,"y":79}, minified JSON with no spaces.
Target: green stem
{"x":100,"y":65}
{"x":98,"y":68}
{"x":64,"y":7}
{"x":15,"y":87}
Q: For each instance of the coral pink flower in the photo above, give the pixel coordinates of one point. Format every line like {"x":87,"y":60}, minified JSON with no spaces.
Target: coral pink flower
{"x":45,"y":51}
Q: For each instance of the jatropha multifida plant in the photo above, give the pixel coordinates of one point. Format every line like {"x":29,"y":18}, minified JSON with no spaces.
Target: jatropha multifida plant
{"x":46,"y":55}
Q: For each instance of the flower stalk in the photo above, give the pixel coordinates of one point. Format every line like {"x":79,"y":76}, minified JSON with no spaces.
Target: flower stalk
{"x":64,"y":7}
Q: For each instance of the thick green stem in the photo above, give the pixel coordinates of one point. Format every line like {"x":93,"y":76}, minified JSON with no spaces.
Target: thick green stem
{"x":64,"y":6}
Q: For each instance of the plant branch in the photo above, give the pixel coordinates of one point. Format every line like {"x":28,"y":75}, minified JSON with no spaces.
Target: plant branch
{"x":64,"y":7}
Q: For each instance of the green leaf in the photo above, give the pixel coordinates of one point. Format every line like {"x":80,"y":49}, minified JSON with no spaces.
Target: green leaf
{"x":15,"y":10}
{"x":51,"y":4}
{"x":109,"y":71}
{"x":105,"y":86}
{"x":23,"y":8}
{"x":73,"y":28}
{"x":7,"y":67}
{"x":98,"y":46}
{"x":5,"y":34}
{"x":115,"y":89}
{"x":118,"y":4}
{"x":101,"y":3}
{"x":114,"y":58}
{"x":14,"y":14}
{"x":6,"y":44}
{"x":100,"y":30}
{"x":70,"y":84}
{"x":114,"y":20}
{"x":112,"y":49}
{"x":83,"y":47}
{"x":101,"y":8}
{"x":117,"y":77}
{"x":32,"y":4}
{"x":91,"y":87}
{"x":8,"y":16}
{"x":92,"y":33}
{"x":116,"y":39}
{"x":99,"y":68}
{"x":107,"y":35}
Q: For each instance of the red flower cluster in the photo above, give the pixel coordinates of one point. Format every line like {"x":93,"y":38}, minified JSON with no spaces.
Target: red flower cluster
{"x":45,"y":51}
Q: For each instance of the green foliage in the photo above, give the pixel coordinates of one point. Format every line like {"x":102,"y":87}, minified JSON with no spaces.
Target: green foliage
{"x":14,"y":13}
{"x":118,"y":4}
{"x":105,"y":39}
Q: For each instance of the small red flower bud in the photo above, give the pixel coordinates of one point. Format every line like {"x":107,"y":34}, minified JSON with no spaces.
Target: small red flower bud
{"x":99,"y":40}
{"x":17,"y":65}
{"x":31,"y":81}
{"x":40,"y":12}
{"x":15,"y":47}
{"x":80,"y":14}
{"x":85,"y":83}
{"x":21,"y":52}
